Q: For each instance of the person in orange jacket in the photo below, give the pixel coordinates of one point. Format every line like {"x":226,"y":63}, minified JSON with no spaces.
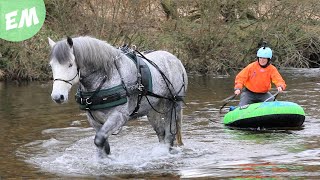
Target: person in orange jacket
{"x":254,"y":81}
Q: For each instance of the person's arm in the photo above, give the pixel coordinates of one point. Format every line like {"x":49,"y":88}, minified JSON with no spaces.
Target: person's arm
{"x":278,"y":80}
{"x":240,"y":79}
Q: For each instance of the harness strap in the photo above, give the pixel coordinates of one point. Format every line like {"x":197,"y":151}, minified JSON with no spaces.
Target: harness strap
{"x":145,"y":92}
{"x":88,"y":101}
{"x":69,"y":81}
{"x":136,"y":109}
{"x":166,"y":80}
{"x":98,"y":89}
{"x":122,"y":81}
{"x":141,"y":90}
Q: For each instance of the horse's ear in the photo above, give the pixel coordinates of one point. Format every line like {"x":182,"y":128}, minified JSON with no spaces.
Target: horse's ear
{"x":70,"y":42}
{"x":51,"y":42}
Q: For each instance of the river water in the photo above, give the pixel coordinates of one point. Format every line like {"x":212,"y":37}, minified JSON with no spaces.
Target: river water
{"x":40,"y":139}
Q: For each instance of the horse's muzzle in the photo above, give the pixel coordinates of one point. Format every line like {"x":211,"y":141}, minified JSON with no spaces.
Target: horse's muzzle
{"x":58,"y":98}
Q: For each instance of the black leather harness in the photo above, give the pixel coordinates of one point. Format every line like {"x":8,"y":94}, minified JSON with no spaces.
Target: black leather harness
{"x":107,"y":98}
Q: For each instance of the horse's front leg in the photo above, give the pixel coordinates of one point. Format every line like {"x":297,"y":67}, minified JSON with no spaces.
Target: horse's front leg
{"x":113,"y":122}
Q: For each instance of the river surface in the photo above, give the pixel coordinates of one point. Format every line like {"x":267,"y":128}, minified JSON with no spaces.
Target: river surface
{"x":40,"y":139}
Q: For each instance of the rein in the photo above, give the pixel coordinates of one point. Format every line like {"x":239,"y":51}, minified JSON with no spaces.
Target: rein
{"x":227,"y":100}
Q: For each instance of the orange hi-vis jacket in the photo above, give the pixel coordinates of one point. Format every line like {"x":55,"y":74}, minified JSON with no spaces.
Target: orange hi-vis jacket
{"x":258,"y":79}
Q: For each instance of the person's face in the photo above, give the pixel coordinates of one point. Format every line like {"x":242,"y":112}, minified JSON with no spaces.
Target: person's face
{"x":263,"y":61}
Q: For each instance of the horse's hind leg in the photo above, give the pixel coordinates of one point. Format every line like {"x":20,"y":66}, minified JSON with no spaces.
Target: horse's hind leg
{"x":179,"y":123}
{"x":173,"y":119}
{"x":167,"y":125}
{"x":157,"y":122}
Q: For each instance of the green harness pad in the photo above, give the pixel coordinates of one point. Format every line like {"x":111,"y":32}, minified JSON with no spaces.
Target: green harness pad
{"x":103,"y":99}
{"x":146,"y":78}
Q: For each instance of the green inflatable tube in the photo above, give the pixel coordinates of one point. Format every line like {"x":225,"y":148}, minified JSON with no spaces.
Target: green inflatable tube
{"x":276,"y":114}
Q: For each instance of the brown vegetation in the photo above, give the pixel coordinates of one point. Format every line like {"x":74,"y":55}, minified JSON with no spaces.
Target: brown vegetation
{"x":209,"y":36}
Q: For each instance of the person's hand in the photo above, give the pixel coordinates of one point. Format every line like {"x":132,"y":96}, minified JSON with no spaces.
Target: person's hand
{"x":280,"y":89}
{"x":237,"y":92}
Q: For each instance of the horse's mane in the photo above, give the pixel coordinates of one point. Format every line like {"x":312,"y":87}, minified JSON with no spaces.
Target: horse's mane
{"x":89,"y":52}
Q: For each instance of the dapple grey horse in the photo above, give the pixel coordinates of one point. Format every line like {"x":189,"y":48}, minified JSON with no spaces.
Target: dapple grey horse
{"x":101,"y":70}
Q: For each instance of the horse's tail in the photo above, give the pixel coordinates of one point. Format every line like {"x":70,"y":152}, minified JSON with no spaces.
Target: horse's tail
{"x":179,"y":133}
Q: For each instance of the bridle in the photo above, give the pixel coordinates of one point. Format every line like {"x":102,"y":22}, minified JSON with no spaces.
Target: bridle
{"x":69,"y":81}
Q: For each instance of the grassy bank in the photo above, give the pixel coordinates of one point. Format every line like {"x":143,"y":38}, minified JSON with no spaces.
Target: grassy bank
{"x":210,"y":37}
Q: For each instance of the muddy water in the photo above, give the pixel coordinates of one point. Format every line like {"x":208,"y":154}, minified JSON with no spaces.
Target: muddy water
{"x":39,"y":139}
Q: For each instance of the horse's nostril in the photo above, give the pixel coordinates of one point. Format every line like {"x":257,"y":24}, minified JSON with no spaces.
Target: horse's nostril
{"x":61,"y":97}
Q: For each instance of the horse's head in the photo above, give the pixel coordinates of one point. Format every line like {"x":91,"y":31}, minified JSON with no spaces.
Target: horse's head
{"x":64,"y":69}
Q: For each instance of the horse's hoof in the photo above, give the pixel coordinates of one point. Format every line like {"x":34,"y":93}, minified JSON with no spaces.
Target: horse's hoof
{"x":99,"y":141}
{"x":173,"y":150}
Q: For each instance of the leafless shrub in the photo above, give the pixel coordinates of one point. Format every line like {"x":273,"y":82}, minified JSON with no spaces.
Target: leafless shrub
{"x":219,"y":36}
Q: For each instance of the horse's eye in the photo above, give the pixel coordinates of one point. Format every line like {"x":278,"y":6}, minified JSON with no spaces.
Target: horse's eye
{"x":70,"y":65}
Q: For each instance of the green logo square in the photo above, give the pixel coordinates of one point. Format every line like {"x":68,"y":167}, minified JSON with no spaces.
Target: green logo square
{"x":21,"y":19}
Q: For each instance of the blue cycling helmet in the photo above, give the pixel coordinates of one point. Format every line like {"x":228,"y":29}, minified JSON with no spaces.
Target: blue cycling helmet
{"x":264,"y":52}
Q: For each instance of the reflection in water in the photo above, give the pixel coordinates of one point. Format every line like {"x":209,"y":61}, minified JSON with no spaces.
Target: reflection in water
{"x":40,"y":139}
{"x":267,"y":170}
